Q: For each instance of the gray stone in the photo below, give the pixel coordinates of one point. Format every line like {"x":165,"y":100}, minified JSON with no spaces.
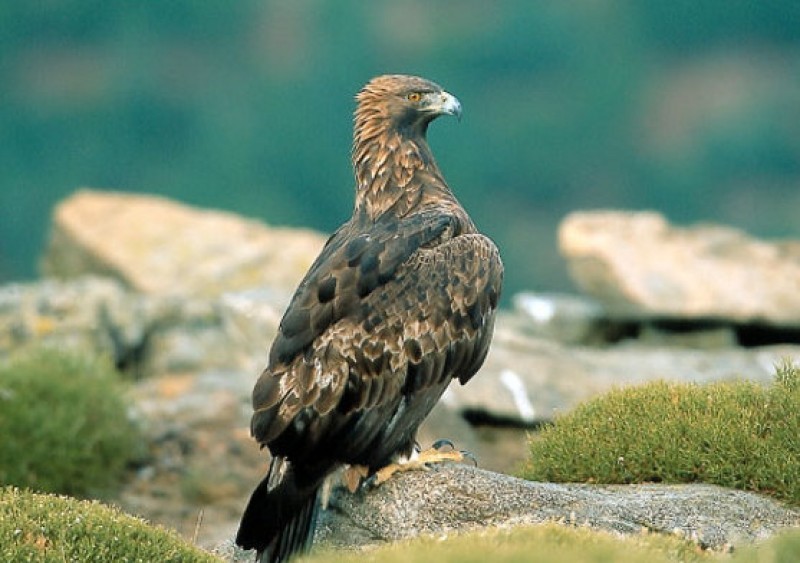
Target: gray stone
{"x":146,"y":335}
{"x":638,"y":265}
{"x":184,"y":335}
{"x":454,"y":498}
{"x":250,"y":319}
{"x":527,"y":378}
{"x":91,"y":313}
{"x":570,"y":319}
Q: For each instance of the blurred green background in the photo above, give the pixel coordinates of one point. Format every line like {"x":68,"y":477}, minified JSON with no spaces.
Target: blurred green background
{"x":688,"y":107}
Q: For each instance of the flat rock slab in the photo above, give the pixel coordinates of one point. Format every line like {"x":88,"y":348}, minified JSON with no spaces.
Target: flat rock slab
{"x":527,"y":378}
{"x":639,"y":265}
{"x":456,"y":498}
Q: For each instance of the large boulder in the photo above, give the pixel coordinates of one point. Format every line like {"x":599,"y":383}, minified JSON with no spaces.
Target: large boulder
{"x":146,"y":335}
{"x":452,"y":498}
{"x":638,"y":265}
{"x":158,"y":246}
{"x":527,"y":378}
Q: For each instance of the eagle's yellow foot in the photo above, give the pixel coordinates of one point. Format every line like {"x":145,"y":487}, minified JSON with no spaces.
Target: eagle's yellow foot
{"x":420,"y":461}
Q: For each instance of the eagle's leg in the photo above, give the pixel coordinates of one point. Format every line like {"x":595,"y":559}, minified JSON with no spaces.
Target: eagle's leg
{"x":419,"y":460}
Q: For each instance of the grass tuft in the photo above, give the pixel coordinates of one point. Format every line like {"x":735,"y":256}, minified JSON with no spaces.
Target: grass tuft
{"x":64,"y":424}
{"x":734,"y":434}
{"x":545,"y":543}
{"x":48,"y":528}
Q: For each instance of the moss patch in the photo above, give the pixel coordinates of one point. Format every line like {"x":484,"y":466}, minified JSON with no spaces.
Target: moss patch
{"x":733,"y":434}
{"x":38,"y":527}
{"x":547,"y":543}
{"x":556,"y":543}
{"x":64,"y":424}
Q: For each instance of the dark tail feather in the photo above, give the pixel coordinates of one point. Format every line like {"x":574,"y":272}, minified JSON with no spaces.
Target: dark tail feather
{"x":280,"y":518}
{"x":297,"y":537}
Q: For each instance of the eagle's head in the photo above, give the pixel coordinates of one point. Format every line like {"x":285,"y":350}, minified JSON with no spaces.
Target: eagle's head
{"x":404,"y":103}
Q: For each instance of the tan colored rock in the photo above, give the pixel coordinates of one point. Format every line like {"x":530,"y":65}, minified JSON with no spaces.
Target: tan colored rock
{"x":158,"y":246}
{"x":637,"y":264}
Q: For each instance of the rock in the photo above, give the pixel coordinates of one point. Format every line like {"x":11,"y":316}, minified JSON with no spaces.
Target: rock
{"x":251,"y":319}
{"x":638,"y":265}
{"x":526,"y":378}
{"x":94,"y":314}
{"x":162,"y":247}
{"x":201,"y":463}
{"x":453,"y":498}
{"x":184,"y":335}
{"x":570,"y":319}
{"x":144,"y":335}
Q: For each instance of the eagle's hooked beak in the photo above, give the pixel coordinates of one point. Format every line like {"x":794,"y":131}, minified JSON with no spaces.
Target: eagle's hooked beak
{"x":450,"y":105}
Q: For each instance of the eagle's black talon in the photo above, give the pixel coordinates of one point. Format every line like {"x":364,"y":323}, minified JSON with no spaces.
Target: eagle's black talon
{"x":439,"y":444}
{"x":370,"y":482}
{"x":470,"y":456}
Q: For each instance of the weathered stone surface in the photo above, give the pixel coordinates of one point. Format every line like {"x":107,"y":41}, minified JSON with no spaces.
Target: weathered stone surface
{"x":566,"y":318}
{"x":637,"y":264}
{"x":94,"y":314}
{"x":201,"y":463}
{"x":527,"y":378}
{"x":158,"y":246}
{"x":251,"y":319}
{"x":183,"y":335}
{"x":454,"y":498}
{"x":145,"y":335}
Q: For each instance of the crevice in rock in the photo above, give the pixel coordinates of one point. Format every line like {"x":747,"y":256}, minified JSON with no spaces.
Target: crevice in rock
{"x":129,"y":360}
{"x":745,"y":335}
{"x":753,"y":335}
{"x":128,"y":357}
{"x":482,"y":417}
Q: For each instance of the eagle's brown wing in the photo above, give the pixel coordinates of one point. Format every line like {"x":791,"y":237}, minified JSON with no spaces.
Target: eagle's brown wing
{"x":347,"y":270}
{"x":381,"y":324}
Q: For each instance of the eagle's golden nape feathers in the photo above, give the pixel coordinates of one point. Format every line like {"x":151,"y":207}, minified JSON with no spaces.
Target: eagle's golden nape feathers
{"x":393,"y":164}
{"x":400,"y":302}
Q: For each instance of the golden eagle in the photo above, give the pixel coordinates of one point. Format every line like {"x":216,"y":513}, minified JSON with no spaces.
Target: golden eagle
{"x":400,"y":301}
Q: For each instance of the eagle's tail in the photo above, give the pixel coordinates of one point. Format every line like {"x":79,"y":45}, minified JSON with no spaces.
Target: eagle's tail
{"x":281,"y":517}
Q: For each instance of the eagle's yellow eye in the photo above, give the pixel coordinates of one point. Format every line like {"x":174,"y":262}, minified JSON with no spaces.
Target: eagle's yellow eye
{"x":414,"y":97}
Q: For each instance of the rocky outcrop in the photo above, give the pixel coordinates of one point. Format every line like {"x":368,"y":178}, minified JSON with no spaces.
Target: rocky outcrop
{"x":94,"y":314}
{"x":455,"y":498}
{"x":146,"y":336}
{"x":452,"y":498}
{"x":570,"y":319}
{"x":638,"y":265}
{"x":195,"y":351}
{"x":161,"y":247}
{"x":526,"y":377}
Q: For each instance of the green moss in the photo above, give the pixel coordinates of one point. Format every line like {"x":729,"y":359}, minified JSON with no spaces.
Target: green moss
{"x":556,"y":543}
{"x":783,"y":548}
{"x":64,"y":424}
{"x":37,"y":527}
{"x":548,"y":543}
{"x":734,"y":434}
